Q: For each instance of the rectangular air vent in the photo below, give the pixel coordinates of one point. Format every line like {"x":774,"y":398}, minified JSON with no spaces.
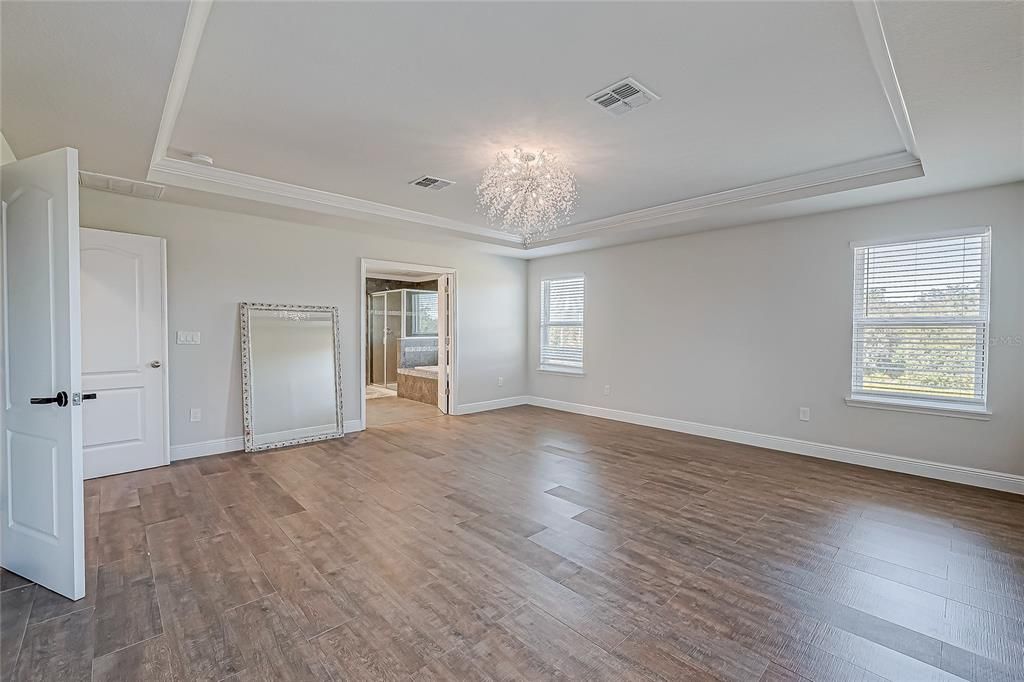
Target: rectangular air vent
{"x":430,"y":182}
{"x":623,"y":97}
{"x":110,"y":183}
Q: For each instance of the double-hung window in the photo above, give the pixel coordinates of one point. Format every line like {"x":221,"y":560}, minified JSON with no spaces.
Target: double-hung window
{"x":561,"y":324}
{"x":920,"y":322}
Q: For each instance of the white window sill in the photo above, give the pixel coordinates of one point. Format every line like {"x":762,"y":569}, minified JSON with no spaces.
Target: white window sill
{"x":567,"y":371}
{"x":920,"y":407}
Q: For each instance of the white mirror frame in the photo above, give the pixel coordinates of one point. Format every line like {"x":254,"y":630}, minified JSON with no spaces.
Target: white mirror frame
{"x":245,"y":309}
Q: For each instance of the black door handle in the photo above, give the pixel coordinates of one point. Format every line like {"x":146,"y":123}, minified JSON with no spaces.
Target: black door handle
{"x":88,"y":396}
{"x":61,"y":399}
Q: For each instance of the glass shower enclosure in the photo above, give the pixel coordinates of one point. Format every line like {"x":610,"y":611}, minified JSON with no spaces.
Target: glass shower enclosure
{"x":394,"y":315}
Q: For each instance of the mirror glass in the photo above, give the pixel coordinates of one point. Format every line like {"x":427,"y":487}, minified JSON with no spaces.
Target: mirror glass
{"x":291,"y":374}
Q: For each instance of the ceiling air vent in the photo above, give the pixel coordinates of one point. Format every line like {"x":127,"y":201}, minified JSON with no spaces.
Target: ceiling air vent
{"x":623,"y":97}
{"x":430,"y":182}
{"x":110,"y":183}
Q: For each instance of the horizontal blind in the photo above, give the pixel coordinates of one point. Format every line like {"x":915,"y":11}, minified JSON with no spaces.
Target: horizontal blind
{"x":920,"y":318}
{"x":423,"y":312}
{"x":561,"y":337}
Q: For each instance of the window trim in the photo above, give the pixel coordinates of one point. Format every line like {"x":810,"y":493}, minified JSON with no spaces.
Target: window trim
{"x":977,"y":409}
{"x":961,"y":410}
{"x":567,"y":370}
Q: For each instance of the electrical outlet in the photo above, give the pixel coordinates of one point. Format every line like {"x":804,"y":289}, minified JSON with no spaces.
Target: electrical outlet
{"x":805,"y":414}
{"x":607,"y":389}
{"x":501,"y":381}
{"x":195,"y":415}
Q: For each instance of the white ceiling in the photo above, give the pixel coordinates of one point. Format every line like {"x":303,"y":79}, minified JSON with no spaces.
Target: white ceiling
{"x":361,"y":98}
{"x":345,"y":103}
{"x":88,"y":75}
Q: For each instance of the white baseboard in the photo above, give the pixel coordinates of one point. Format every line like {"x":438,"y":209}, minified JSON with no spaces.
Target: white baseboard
{"x":207,"y":447}
{"x":981,"y":478}
{"x":470,"y":408}
{"x":877,"y":460}
{"x":235,"y":444}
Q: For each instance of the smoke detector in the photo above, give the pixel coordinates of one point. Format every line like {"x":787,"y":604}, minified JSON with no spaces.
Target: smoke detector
{"x":623,"y":97}
{"x":430,"y":182}
{"x":111,"y":183}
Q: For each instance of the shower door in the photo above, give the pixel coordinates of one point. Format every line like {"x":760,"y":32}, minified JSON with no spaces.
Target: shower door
{"x":378,"y":303}
{"x":392,"y":334}
{"x":385,"y":331}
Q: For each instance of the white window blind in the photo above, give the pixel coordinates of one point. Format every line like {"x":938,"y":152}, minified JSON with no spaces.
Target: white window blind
{"x":561,"y":323}
{"x":920,"y":320}
{"x":424,"y":313}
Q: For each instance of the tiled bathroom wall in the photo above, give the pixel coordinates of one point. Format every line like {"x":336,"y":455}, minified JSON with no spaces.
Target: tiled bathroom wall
{"x":417,"y":351}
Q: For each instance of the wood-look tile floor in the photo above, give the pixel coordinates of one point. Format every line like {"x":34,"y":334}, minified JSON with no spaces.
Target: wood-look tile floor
{"x":385,"y":411}
{"x":530,"y":544}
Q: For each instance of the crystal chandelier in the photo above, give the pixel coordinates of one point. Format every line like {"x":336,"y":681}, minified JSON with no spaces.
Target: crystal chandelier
{"x":527,"y":193}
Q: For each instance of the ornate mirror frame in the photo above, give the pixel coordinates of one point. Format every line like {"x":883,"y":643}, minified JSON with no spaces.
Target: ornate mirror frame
{"x":245,"y":310}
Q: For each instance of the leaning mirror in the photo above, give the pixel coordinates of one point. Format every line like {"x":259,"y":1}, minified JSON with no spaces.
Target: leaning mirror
{"x":291,"y":374}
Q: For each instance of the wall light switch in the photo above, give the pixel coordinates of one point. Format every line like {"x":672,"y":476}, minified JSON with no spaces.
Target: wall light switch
{"x":195,"y":414}
{"x":501,"y":381}
{"x":805,"y":414}
{"x":187,"y":338}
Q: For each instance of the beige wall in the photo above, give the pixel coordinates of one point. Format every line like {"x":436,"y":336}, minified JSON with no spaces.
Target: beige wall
{"x":741,"y":327}
{"x":217,"y":259}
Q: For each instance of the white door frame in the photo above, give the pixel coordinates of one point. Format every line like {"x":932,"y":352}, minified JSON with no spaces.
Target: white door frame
{"x":372,"y":265}
{"x":165,"y":348}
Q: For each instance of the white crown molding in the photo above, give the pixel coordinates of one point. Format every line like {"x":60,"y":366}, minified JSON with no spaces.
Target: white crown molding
{"x":864,"y":173}
{"x":243,"y":186}
{"x":878,"y":48}
{"x":195,"y":24}
{"x":874,"y":171}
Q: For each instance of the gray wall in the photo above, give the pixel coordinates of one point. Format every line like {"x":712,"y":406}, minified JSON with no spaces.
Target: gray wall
{"x":741,"y":327}
{"x":217,"y":259}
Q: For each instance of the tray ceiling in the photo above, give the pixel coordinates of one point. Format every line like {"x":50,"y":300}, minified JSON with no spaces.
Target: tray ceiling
{"x":318,"y":110}
{"x":358,"y":99}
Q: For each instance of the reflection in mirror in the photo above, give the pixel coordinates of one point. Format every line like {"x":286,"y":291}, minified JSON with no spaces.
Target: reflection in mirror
{"x":291,"y":376}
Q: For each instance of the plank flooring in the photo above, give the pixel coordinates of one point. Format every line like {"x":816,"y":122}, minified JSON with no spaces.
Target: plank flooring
{"x":384,"y":411}
{"x":527,"y":544}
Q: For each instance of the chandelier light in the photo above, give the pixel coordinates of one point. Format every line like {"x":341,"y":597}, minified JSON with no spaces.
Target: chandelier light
{"x":527,"y":193}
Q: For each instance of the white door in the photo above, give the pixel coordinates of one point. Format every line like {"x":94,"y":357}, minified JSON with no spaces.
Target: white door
{"x":444,"y":341}
{"x":123,"y":352}
{"x":42,"y":519}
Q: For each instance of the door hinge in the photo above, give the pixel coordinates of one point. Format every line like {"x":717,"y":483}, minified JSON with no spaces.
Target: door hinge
{"x":447,"y":391}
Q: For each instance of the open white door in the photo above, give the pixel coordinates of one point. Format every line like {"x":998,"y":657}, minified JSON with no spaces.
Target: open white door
{"x":124,"y":349}
{"x":42,"y":533}
{"x":444,"y":341}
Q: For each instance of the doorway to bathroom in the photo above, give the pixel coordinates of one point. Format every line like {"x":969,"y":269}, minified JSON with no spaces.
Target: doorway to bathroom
{"x":408,"y":347}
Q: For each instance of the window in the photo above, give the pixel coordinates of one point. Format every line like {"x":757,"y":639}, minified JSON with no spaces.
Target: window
{"x":421,"y":309}
{"x":561,"y":324}
{"x":920,"y":322}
